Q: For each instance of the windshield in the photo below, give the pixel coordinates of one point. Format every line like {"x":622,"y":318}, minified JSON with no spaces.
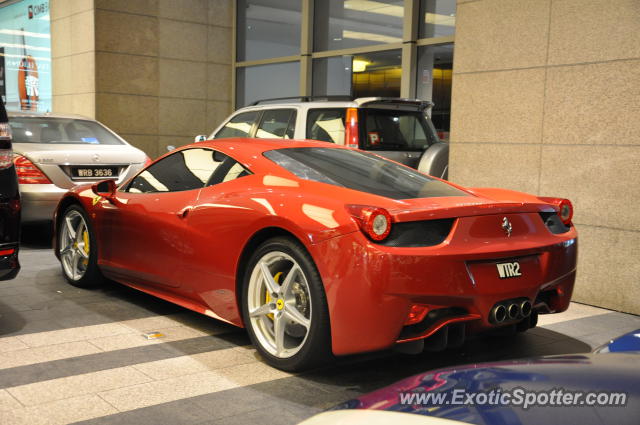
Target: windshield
{"x":360,"y":171}
{"x":392,"y":130}
{"x":60,"y":131}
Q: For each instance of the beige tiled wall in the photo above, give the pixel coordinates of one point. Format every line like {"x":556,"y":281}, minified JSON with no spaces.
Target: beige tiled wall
{"x":73,"y":57}
{"x":158,"y":72}
{"x":545,"y":100}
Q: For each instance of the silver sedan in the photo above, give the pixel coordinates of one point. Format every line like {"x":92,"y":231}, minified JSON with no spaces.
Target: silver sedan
{"x":53,"y":153}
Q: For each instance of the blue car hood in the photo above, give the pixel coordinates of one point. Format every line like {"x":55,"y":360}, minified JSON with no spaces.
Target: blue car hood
{"x":606,"y":372}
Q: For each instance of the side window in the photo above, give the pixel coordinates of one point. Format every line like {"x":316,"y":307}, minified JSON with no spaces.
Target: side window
{"x":184,"y":170}
{"x":238,"y":126}
{"x":229,"y":169}
{"x":277,"y":124}
{"x":326,"y":125}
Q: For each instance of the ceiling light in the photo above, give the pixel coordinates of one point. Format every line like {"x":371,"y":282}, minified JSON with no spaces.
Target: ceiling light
{"x":359,"y":65}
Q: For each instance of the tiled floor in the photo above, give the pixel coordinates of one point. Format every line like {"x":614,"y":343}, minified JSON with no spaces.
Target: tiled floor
{"x":69,"y":355}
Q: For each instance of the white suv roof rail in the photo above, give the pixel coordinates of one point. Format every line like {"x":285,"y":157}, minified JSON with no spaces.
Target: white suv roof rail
{"x":361,"y":101}
{"x":303,"y":99}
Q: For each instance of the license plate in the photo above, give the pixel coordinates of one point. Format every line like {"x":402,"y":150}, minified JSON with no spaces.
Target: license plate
{"x":94,"y":172}
{"x":507,"y":270}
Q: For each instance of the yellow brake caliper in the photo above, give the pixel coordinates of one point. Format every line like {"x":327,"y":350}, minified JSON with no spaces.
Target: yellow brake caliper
{"x":85,"y":239}
{"x":268,"y":295}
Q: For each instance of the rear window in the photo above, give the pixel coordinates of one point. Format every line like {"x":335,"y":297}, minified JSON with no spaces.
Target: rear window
{"x":60,"y":131}
{"x":360,"y":171}
{"x":394,"y":130}
{"x":326,"y":125}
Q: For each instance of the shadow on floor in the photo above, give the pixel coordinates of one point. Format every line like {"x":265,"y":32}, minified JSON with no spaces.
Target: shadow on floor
{"x":36,"y":235}
{"x":386,"y":368}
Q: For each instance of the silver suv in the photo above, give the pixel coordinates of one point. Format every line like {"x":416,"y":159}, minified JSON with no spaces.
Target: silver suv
{"x":399,"y":129}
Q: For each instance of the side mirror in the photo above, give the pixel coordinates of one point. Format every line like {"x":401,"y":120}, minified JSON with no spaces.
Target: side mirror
{"x":200,"y":138}
{"x":105,"y":188}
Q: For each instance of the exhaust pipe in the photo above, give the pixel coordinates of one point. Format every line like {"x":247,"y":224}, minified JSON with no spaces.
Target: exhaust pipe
{"x":498,"y":314}
{"x":514,"y":311}
{"x":525,"y":308}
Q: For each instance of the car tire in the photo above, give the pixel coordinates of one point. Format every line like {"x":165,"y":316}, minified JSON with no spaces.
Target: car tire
{"x":281,"y":255}
{"x":79,"y":269}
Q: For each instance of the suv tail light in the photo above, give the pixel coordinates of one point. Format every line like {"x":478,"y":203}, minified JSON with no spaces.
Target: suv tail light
{"x":28,"y":173}
{"x":5,"y":145}
{"x":148,"y":161}
{"x":565,"y":208}
{"x":351,"y":131}
{"x":374,"y":222}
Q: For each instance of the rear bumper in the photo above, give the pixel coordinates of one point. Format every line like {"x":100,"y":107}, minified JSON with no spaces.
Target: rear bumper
{"x":9,"y":264}
{"x":39,"y":201}
{"x":370,"y":293}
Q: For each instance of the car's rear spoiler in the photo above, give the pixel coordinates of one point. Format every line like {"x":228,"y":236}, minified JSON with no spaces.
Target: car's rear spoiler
{"x":417,"y":103}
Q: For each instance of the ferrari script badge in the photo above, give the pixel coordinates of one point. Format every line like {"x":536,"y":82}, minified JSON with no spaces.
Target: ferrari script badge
{"x":506,"y":226}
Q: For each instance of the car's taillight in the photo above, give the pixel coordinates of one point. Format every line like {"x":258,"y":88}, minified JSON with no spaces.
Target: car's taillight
{"x":147,"y":162}
{"x":27,"y":172}
{"x":373,"y":221}
{"x":351,"y":131}
{"x":565,"y":208}
{"x":566,"y":211}
{"x":5,"y":145}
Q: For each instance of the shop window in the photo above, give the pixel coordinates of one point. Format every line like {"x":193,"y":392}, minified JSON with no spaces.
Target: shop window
{"x":437,"y":18}
{"x":367,"y":74}
{"x":267,"y":29}
{"x":267,"y":81}
{"x":342,"y":24}
{"x":25,"y":56}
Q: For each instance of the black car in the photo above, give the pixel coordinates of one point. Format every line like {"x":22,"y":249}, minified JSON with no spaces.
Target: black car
{"x":9,"y":204}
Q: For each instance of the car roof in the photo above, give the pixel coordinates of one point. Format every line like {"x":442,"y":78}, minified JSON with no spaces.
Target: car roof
{"x":249,"y":151}
{"x":13,"y":114}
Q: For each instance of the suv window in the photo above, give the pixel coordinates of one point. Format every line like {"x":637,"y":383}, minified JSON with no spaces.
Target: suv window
{"x":395,"y":130}
{"x":326,"y":125}
{"x":277,"y":124}
{"x":238,"y":126}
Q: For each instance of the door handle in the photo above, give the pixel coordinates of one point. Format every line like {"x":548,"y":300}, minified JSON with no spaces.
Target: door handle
{"x":183,"y":213}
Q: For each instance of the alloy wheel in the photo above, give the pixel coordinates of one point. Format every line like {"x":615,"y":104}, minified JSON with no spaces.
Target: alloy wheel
{"x":74,"y":245}
{"x":279,"y":304}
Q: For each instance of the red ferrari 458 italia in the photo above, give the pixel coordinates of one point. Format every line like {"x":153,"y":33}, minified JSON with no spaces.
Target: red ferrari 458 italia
{"x":322,"y":250}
